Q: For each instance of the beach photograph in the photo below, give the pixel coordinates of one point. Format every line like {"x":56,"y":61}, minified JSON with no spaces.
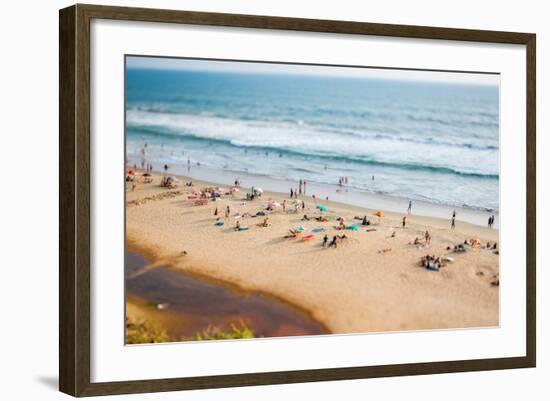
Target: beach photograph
{"x":268,"y":200}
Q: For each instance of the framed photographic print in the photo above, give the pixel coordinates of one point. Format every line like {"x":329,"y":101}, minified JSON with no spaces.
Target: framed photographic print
{"x":250,"y":200}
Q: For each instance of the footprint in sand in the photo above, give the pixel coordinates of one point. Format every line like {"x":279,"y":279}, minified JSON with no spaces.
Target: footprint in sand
{"x":483,"y":273}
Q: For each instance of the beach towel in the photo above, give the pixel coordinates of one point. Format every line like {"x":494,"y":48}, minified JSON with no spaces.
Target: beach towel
{"x":432,"y":267}
{"x":318,"y":230}
{"x":307,"y":237}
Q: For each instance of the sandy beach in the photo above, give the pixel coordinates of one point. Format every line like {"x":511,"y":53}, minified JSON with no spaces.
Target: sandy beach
{"x":353,"y":288}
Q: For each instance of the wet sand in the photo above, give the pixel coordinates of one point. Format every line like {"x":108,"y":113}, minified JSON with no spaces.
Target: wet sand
{"x":183,"y":305}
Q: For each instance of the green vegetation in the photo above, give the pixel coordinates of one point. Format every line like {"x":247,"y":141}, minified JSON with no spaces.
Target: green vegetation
{"x":214,"y":333}
{"x":143,"y":332}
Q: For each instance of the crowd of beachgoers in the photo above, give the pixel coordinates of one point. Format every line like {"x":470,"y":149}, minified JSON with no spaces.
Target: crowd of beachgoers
{"x":322,"y":216}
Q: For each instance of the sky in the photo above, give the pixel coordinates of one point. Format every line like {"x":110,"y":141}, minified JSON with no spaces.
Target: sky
{"x":296,"y":69}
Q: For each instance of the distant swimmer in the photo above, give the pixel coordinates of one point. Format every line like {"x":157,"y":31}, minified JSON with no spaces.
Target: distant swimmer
{"x":410,"y":207}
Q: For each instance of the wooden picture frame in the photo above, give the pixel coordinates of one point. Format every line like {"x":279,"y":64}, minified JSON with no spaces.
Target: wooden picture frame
{"x":75,"y":208}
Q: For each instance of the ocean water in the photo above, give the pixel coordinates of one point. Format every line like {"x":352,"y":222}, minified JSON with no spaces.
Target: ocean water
{"x":435,"y":142}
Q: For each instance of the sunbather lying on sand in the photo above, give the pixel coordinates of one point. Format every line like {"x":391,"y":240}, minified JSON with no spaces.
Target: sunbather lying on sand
{"x":292,"y":233}
{"x":431,"y":262}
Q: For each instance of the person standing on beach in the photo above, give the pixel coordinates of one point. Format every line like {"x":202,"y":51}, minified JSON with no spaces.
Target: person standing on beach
{"x":165,"y":167}
{"x":409,"y":210}
{"x":453,"y":219}
{"x":227,"y":211}
{"x":427,"y":237}
{"x":295,"y":193}
{"x":291,"y":193}
{"x":404,"y":221}
{"x":303,"y":205}
{"x":489,"y":223}
{"x":216,"y":211}
{"x":325,"y":240}
{"x":284,"y":205}
{"x":300,"y":187}
{"x":304,"y":185}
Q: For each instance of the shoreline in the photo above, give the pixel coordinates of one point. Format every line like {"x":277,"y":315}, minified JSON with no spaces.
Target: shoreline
{"x":350,"y":289}
{"x":345,"y":195}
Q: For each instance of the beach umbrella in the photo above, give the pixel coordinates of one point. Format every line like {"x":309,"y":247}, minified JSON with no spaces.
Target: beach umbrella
{"x":259,"y":190}
{"x":379,"y":213}
{"x":352,"y":228}
{"x":322,"y":208}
